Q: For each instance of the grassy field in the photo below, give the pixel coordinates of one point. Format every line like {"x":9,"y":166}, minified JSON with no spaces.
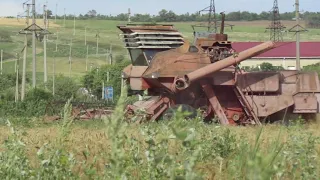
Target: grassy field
{"x":109,"y":34}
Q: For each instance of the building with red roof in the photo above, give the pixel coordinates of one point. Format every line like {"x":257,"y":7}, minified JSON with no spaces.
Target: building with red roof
{"x":284,"y":55}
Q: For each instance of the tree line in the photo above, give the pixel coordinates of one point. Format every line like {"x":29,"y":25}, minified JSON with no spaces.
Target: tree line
{"x":312,"y":18}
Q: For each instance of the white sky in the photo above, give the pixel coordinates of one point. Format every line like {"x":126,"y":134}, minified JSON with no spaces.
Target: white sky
{"x":10,"y":8}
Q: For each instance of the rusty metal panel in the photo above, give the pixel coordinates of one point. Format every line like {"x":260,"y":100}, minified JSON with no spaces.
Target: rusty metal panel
{"x":138,"y":84}
{"x":259,"y":82}
{"x":176,"y":64}
{"x":288,"y":89}
{"x":137,"y":71}
{"x":265,"y":106}
{"x":308,"y":82}
{"x":289,"y":77}
{"x":305,"y":103}
{"x":224,"y":78}
{"x":127,"y":70}
{"x":147,"y":103}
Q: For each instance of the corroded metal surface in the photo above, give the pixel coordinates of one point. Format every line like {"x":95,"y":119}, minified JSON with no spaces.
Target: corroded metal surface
{"x":204,"y":75}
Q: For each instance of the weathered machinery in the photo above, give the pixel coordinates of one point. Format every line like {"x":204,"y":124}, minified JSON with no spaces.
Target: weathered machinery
{"x":205,"y":76}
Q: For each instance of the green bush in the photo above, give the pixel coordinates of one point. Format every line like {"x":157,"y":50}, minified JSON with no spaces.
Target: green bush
{"x":93,"y":80}
{"x":8,"y":84}
{"x":265,"y":67}
{"x":313,"y":67}
{"x":65,"y":87}
{"x":34,"y":105}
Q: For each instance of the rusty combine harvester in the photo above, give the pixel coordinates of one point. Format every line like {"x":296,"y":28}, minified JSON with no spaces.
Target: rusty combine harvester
{"x":205,"y":75}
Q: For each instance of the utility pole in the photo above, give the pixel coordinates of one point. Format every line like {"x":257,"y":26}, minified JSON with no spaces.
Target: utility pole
{"x":57,"y":40}
{"x":54,"y":76}
{"x":87,"y":58}
{"x":97,"y":37}
{"x":34,"y":28}
{"x":1,"y":58}
{"x":85,"y":36}
{"x":298,"y":35}
{"x":297,"y":29}
{"x":64,"y":21}
{"x":107,"y":56}
{"x":24,"y":63}
{"x":45,"y":46}
{"x":129,"y":15}
{"x":74,"y":25}
{"x":17,"y":78}
{"x":34,"y":66}
{"x":102,"y":95}
{"x":110,"y":55}
{"x":70,"y":59}
{"x":55,"y":18}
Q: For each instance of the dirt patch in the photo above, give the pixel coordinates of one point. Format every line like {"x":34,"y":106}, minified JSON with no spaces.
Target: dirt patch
{"x":21,"y":22}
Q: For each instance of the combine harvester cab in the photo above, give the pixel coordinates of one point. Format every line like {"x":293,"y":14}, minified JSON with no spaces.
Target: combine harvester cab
{"x":205,"y":76}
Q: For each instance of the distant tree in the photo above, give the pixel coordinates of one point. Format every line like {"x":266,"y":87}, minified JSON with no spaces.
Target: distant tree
{"x":121,"y":17}
{"x":49,"y":14}
{"x":312,"y":19}
{"x":233,"y":16}
{"x":162,"y":15}
{"x":266,"y":66}
{"x":265,"y":15}
{"x":92,"y":13}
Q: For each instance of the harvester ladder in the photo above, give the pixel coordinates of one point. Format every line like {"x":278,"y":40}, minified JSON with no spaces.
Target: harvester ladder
{"x":245,"y":103}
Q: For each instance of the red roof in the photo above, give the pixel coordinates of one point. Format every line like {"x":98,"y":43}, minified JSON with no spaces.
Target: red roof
{"x":284,"y":49}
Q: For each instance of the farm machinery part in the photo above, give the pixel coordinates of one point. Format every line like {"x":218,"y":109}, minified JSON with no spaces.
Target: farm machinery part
{"x":176,"y":73}
{"x":80,"y":111}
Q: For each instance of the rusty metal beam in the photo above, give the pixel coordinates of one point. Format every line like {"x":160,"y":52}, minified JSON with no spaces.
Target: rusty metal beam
{"x":216,"y":106}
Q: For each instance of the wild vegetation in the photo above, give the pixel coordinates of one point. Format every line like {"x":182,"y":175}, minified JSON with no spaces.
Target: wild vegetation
{"x":175,"y":149}
{"x":111,"y":148}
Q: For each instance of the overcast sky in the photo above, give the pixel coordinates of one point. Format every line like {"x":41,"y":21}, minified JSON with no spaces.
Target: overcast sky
{"x":13,"y":7}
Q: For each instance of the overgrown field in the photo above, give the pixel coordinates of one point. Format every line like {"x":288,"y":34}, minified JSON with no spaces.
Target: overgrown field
{"x":176,"y":149}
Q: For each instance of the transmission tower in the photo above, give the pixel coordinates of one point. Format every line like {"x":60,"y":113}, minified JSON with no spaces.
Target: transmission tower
{"x":212,"y":19}
{"x":213,"y":23}
{"x":276,"y":26}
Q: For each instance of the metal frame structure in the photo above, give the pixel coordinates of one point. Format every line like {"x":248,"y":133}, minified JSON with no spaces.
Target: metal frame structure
{"x":276,"y":26}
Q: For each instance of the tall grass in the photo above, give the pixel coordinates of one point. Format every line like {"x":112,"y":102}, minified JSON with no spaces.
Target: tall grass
{"x":176,"y":149}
